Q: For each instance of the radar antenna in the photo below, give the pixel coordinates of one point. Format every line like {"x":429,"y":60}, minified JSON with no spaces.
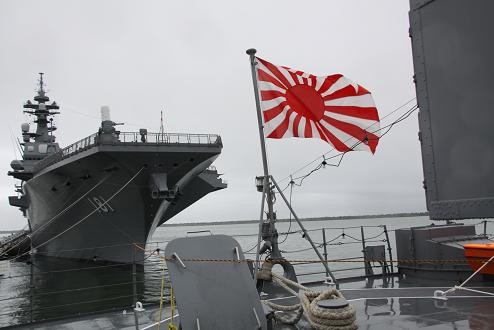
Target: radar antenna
{"x":41,"y":82}
{"x":162,"y":128}
{"x":43,"y":113}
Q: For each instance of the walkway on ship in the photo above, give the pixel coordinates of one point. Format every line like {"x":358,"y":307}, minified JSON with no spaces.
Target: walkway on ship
{"x":377,"y":308}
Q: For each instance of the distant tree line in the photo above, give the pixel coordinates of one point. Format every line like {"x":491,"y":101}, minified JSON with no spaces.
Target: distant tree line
{"x":343,"y":217}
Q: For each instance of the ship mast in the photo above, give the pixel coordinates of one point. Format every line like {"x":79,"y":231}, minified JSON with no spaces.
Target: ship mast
{"x":37,"y":145}
{"x":43,"y":113}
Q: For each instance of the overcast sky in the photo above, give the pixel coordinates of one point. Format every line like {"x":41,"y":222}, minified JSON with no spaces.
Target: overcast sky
{"x":188,"y":58}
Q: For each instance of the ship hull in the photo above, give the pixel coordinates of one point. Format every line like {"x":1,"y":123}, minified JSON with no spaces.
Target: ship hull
{"x":99,"y":204}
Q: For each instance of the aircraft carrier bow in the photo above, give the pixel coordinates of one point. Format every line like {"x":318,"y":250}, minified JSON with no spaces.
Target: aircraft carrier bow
{"x":103,"y":195}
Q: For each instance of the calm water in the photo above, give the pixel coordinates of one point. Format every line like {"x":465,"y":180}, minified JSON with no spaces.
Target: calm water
{"x":49,"y":288}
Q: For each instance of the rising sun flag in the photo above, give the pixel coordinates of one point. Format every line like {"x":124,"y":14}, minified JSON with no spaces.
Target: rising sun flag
{"x":331,"y":108}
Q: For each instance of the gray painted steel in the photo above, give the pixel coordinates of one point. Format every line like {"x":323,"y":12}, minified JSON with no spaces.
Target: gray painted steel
{"x":97,"y":197}
{"x":436,"y":243}
{"x":453,"y":57}
{"x":222,"y":295}
{"x":131,"y":216}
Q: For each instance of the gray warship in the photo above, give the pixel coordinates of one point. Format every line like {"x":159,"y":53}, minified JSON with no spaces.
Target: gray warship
{"x":213,"y":285}
{"x":98,"y":197}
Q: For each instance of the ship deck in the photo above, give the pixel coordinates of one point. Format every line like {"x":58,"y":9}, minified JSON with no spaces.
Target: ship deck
{"x":403,"y":307}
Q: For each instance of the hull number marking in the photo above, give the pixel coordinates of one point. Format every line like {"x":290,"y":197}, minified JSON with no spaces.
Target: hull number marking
{"x":100,"y":204}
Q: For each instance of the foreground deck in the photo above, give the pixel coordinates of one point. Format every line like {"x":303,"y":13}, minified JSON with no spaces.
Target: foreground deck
{"x":401,"y":307}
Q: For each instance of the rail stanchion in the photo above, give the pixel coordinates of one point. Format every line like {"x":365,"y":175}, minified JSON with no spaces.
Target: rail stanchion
{"x":367,"y":265}
{"x":325,"y":246}
{"x":31,"y":286}
{"x":389,"y":248}
{"x":134,"y":287}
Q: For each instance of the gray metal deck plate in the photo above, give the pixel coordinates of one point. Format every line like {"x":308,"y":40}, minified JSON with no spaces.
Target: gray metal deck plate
{"x":411,"y":308}
{"x":377,"y":308}
{"x":222,"y":295}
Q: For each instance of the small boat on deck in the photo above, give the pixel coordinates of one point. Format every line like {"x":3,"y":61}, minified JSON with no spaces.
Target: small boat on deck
{"x":477,"y":254}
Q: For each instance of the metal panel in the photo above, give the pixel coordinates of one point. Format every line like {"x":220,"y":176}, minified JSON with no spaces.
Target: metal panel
{"x":215,"y":295}
{"x":453,"y":57}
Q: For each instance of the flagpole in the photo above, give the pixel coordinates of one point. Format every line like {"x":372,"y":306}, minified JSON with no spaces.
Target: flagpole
{"x":267,"y":194}
{"x":253,"y":63}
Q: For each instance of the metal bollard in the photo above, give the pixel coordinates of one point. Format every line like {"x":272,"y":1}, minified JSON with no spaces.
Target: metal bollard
{"x":137,"y":309}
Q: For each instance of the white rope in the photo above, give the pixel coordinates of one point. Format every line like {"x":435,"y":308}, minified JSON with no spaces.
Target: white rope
{"x":477,"y":291}
{"x":443,"y":294}
{"x":292,"y":283}
{"x":70,"y":206}
{"x":327,"y":319}
{"x":60,"y":213}
{"x":320,"y":318}
{"x":476,"y":272}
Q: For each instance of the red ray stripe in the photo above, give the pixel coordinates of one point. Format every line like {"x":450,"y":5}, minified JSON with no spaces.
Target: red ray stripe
{"x":313,"y":80}
{"x":362,"y":90}
{"x":264,"y":76}
{"x":282,"y":127}
{"x":328,"y":82}
{"x":308,"y":128}
{"x":276,"y":72}
{"x":273,"y":112}
{"x":355,"y":131}
{"x":294,"y":77}
{"x":338,"y":145}
{"x":321,"y":133}
{"x":296,"y":122}
{"x":357,"y":112}
{"x":267,"y":95}
{"x":292,"y":70}
{"x":344,"y":92}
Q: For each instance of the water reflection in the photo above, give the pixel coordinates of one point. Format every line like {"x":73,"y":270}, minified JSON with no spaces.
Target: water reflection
{"x":412,"y":313}
{"x":44,"y":288}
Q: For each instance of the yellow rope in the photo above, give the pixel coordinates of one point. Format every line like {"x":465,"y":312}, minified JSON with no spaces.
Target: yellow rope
{"x":171,"y":325}
{"x":161,"y":295}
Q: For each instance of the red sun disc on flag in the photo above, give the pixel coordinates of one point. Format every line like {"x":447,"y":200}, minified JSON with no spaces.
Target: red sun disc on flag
{"x":332,"y":108}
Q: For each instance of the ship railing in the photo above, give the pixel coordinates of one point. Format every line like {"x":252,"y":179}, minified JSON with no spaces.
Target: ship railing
{"x":70,"y":150}
{"x":129,"y":284}
{"x":168,"y":138}
{"x":80,"y":145}
{"x":128,"y":138}
{"x":74,"y":298}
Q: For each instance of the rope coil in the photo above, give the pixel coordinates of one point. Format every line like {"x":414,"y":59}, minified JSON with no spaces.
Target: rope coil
{"x":327,"y":319}
{"x":320,"y":318}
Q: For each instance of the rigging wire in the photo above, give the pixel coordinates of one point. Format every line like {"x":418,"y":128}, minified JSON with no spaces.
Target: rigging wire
{"x":84,"y":218}
{"x":325,"y":162}
{"x":252,"y":248}
{"x":15,"y":145}
{"x":332,"y":149}
{"x":57,"y":215}
{"x":290,"y":225}
{"x":72,"y":109}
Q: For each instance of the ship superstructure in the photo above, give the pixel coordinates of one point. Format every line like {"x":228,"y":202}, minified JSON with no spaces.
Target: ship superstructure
{"x":96,"y":198}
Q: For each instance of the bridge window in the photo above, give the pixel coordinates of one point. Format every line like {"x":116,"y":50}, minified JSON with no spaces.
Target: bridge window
{"x":42,"y":148}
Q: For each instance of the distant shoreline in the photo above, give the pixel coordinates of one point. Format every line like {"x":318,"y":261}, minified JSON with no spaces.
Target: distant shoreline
{"x":344,"y":217}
